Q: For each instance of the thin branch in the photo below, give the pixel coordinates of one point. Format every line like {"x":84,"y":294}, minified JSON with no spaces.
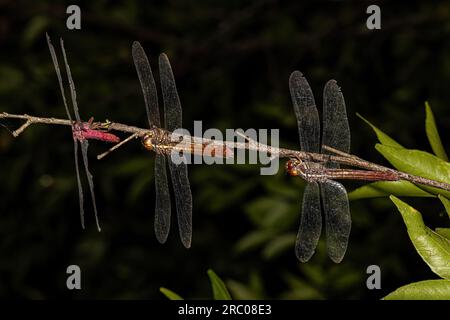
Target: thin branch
{"x":116,"y":146}
{"x":255,"y":145}
{"x":341,"y":157}
{"x":22,"y":128}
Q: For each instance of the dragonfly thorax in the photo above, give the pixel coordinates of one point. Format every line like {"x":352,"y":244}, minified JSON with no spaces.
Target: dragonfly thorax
{"x":157,"y":140}
{"x":309,"y":171}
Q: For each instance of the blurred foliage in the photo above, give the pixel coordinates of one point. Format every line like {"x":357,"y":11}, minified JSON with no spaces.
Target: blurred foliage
{"x":415,"y":162}
{"x":232,"y":61}
{"x":218,"y":288}
{"x":434,"y":248}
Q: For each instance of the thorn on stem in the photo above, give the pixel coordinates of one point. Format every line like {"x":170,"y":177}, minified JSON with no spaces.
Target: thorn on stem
{"x":104,"y":154}
{"x":22,"y":128}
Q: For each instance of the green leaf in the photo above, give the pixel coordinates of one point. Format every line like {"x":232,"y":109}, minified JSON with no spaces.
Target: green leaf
{"x":433,"y":134}
{"x":446,"y":204}
{"x":386,"y":188}
{"x":279,"y":245}
{"x":254,"y":239}
{"x":445,"y":232}
{"x":270,"y":212}
{"x":423,"y":290}
{"x":314,"y":274}
{"x":35,"y":29}
{"x":299,"y":289}
{"x":11,"y":79}
{"x":419,"y":163}
{"x":432,"y":247}
{"x":253,"y":290}
{"x":220,"y":291}
{"x":170,"y":294}
{"x":243,"y":291}
{"x":382,"y":137}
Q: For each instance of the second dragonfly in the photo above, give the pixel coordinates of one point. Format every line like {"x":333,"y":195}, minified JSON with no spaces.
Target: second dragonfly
{"x":178,"y":172}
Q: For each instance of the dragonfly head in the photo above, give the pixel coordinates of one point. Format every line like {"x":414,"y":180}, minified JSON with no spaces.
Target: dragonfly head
{"x":291,"y":167}
{"x":295,"y":167}
{"x":147,"y":141}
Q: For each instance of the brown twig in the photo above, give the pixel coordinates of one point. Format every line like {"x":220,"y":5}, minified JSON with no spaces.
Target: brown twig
{"x":116,"y":146}
{"x":251,"y":145}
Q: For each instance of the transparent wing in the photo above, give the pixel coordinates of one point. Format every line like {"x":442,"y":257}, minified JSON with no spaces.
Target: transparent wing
{"x":336,"y":131}
{"x":73,"y":92}
{"x":305,"y":112}
{"x":84,"y":148}
{"x":58,"y":74}
{"x":172,"y":105}
{"x":183,"y":200}
{"x":310,"y":224}
{"x":80,"y":188}
{"x":162,"y":206}
{"x":337,"y":219}
{"x":148,"y":85}
{"x":180,"y":180}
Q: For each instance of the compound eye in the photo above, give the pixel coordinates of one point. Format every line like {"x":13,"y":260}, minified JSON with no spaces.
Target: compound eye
{"x":147,"y":142}
{"x":289,"y":165}
{"x":293,"y":172}
{"x":291,"y":168}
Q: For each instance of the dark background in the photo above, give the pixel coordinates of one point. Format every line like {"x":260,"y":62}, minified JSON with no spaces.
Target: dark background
{"x":232,"y":61}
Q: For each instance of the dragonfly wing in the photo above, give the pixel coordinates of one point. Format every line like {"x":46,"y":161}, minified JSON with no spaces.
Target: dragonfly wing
{"x":58,"y":74}
{"x":172,"y":105}
{"x":336,"y":131}
{"x":84,"y":149}
{"x":61,"y":87}
{"x":80,"y":188}
{"x":337,"y":218}
{"x":162,"y":206}
{"x":183,"y":200}
{"x":310,"y":224}
{"x":305,"y":112}
{"x":148,"y":86}
{"x":73,"y":92}
{"x":179,"y":174}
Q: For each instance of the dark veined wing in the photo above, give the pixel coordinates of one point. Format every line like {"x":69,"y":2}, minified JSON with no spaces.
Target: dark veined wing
{"x":148,"y":86}
{"x":80,"y":188}
{"x":75,"y":143}
{"x":84,"y":149}
{"x":337,"y":218}
{"x":336,"y":131}
{"x":310,"y":223}
{"x":180,"y":180}
{"x":73,"y":92}
{"x":183,"y":200}
{"x":172,"y":105}
{"x":84,"y":143}
{"x":58,"y":74}
{"x":336,"y":134}
{"x":305,"y":112}
{"x":162,"y":203}
{"x":162,"y":214}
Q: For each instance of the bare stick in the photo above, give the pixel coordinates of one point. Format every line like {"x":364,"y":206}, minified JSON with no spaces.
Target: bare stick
{"x":258,"y":146}
{"x":22,"y":128}
{"x":341,"y":157}
{"x":121,"y":143}
{"x":245,"y":137}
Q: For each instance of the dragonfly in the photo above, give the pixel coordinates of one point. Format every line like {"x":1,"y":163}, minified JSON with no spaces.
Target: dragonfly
{"x":81,"y":132}
{"x":322,"y":193}
{"x":161,"y":140}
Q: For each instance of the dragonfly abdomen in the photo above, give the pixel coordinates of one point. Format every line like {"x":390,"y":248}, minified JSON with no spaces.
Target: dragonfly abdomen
{"x":100,"y":135}
{"x":352,"y":174}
